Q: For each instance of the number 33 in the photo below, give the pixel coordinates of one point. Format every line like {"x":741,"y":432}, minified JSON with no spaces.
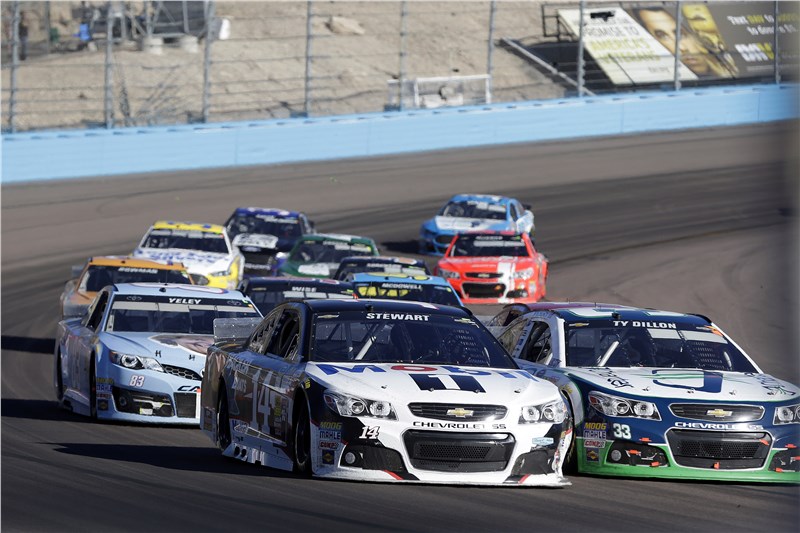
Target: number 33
{"x":622,"y":431}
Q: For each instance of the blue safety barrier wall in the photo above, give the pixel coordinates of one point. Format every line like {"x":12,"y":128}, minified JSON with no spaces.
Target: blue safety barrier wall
{"x":83,"y":153}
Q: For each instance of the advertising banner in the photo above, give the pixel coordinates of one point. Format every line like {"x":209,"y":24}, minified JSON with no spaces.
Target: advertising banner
{"x":627,"y":53}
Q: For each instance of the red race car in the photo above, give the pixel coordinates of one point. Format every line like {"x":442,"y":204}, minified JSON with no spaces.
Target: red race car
{"x":497,"y":267}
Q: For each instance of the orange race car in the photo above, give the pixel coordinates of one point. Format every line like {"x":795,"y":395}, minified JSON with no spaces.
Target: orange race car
{"x":496,"y":267}
{"x":107,"y":270}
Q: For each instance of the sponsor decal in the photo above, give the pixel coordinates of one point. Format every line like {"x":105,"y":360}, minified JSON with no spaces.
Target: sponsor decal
{"x":639,"y":324}
{"x":719,"y":413}
{"x":772,"y":385}
{"x":595,"y":425}
{"x":446,"y":382}
{"x":594,"y":434}
{"x":592,"y":456}
{"x":191,"y":343}
{"x":541,"y":441}
{"x":186,"y":301}
{"x":189,"y":388}
{"x":102,"y":405}
{"x":398,"y":316}
{"x":712,"y":381}
{"x":327,"y":458}
{"x":330,"y":434}
{"x":331,"y":369}
{"x":713,"y":425}
{"x":138,"y":270}
{"x":331,"y":425}
{"x":457,"y":425}
{"x":328,"y":444}
{"x":594,"y":443}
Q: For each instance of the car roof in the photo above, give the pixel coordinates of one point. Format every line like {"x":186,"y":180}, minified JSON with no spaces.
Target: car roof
{"x":489,"y":198}
{"x":384,"y":306}
{"x":338,"y":237}
{"x":576,"y":312}
{"x":407,"y":261}
{"x":392,"y":277}
{"x":123,"y":260}
{"x":266,"y":211}
{"x":182,"y":291}
{"x":302,"y":282}
{"x":189,"y":226}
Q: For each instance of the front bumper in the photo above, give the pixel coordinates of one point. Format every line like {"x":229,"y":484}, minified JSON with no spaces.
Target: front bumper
{"x":520,"y":456}
{"x":502,"y":290}
{"x":145,"y":396}
{"x":749,"y":456}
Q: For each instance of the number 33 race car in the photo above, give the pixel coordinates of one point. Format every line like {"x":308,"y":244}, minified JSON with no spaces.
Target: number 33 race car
{"x":382,"y":391}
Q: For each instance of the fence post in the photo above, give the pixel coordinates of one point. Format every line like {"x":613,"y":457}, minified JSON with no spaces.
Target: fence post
{"x":402,"y":73}
{"x":309,"y":29}
{"x":108,"y":97}
{"x":492,"y":11}
{"x":678,"y":24}
{"x":580,"y":48}
{"x":207,"y":59}
{"x":775,"y":48}
{"x":12,"y":100}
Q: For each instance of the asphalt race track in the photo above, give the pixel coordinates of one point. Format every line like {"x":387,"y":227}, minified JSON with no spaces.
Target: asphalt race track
{"x":701,"y":221}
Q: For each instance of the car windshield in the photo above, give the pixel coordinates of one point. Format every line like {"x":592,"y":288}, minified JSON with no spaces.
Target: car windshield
{"x":415,"y":292}
{"x":281,"y":227}
{"x":347,"y":268}
{"x":203,"y":241}
{"x":165,"y":315}
{"x":98,"y":276}
{"x":660,"y":343}
{"x":474,"y":209}
{"x":480,"y":245}
{"x":327,"y":251}
{"x":400,"y":337}
{"x":267,"y":298}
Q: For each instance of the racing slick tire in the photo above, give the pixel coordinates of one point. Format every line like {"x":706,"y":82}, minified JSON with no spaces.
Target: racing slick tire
{"x":58,"y":380}
{"x":223,"y":420}
{"x":570,"y":465}
{"x":92,"y":390}
{"x":301,"y":443}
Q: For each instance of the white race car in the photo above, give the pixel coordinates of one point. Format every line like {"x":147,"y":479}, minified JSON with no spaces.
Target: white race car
{"x":138,"y":354}
{"x":382,"y":390}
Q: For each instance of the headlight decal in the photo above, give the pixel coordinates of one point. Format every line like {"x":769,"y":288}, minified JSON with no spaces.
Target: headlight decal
{"x":134,"y":362}
{"x":787,"y":414}
{"x":554,"y":412}
{"x":623,"y":407}
{"x":346,"y":405}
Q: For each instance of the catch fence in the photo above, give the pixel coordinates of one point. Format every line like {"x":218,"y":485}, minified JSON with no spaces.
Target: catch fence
{"x":123,"y":64}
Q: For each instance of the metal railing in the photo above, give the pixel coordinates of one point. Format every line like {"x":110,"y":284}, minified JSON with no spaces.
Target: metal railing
{"x":108,"y":65}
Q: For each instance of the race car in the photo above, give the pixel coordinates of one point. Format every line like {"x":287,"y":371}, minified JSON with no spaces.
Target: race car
{"x":499,"y":267}
{"x":267,"y":292}
{"x":261,"y":233}
{"x":204,"y":249}
{"x":658,"y":394}
{"x":318,"y":256}
{"x":138,"y":353}
{"x":382,"y":391}
{"x":380,"y":263}
{"x":412,"y":288}
{"x":105,"y":270}
{"x":473,"y":212}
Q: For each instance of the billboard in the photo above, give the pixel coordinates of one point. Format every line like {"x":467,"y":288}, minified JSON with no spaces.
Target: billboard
{"x":627,"y":53}
{"x":717,"y":41}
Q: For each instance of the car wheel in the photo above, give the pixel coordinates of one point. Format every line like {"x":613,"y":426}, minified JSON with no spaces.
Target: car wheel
{"x":223,"y":420}
{"x":92,"y":389}
{"x":570,"y":465}
{"x":302,"y":441}
{"x":59,"y":380}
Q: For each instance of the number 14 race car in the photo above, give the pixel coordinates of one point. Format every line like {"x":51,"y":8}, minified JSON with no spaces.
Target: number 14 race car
{"x":382,"y":391}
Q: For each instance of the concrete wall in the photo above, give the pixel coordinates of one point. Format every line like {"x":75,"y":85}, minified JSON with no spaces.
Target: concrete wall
{"x":83,"y":153}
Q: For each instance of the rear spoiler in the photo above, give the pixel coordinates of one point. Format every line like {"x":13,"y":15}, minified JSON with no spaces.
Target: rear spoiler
{"x":235,"y":330}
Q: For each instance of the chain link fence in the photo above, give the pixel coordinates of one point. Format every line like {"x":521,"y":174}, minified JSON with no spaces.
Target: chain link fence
{"x":117,"y":64}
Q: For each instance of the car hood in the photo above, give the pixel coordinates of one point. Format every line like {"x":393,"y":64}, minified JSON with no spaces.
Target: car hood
{"x":251,"y":242}
{"x":469,"y":224}
{"x":195,"y":262}
{"x":400,"y":384}
{"x":691,"y":384}
{"x":186,"y":350}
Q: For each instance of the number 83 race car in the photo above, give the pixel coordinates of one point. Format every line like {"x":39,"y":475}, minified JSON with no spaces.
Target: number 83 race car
{"x":383,"y":391}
